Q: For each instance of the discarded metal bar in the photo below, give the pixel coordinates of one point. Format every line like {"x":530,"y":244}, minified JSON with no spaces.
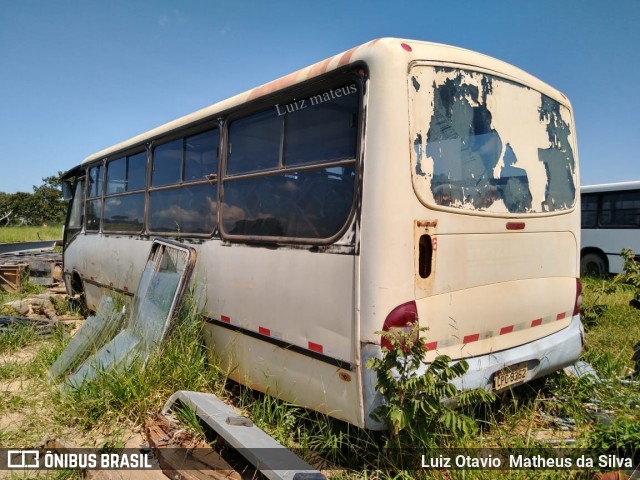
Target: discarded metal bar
{"x":274,"y":461}
{"x":17,"y":247}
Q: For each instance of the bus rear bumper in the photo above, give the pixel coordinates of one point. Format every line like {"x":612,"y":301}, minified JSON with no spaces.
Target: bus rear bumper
{"x":542,"y":357}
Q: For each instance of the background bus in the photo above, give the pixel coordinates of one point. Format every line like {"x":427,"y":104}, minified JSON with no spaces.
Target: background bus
{"x":610,"y":222}
{"x":394,"y":183}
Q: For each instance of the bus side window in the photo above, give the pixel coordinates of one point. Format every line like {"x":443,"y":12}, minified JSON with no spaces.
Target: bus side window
{"x":254,"y":143}
{"x":589,"y":211}
{"x":77,"y":206}
{"x":93,"y":208}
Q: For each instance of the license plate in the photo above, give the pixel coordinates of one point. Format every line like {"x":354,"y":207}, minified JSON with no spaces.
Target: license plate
{"x":509,"y":376}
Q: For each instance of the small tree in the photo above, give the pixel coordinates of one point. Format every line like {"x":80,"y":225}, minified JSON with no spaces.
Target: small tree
{"x":48,"y":197}
{"x":421,"y":403}
{"x":44,"y":205}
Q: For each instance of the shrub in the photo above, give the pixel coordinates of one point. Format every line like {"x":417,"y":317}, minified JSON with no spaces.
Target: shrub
{"x":421,"y":402}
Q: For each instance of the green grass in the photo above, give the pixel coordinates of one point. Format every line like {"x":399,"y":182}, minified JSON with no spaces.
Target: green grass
{"x":30,"y":233}
{"x":135,"y":392}
{"x":616,"y":329}
{"x":515,"y":420}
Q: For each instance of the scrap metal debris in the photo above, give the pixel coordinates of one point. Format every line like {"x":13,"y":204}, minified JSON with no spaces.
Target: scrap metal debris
{"x":41,"y":326}
{"x":582,"y":369}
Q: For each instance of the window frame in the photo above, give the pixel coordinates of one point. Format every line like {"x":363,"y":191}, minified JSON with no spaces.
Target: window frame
{"x":600,"y":199}
{"x":97,"y":198}
{"x":126,"y":193}
{"x":211,"y":179}
{"x":353,"y":74}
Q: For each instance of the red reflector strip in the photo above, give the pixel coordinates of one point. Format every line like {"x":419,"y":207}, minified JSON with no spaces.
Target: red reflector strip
{"x":451,"y":341}
{"x":515,"y":225}
{"x":406,"y":47}
{"x":471,"y":338}
{"x":505,"y":330}
{"x":225,"y":319}
{"x":315,"y":347}
{"x":264,"y":331}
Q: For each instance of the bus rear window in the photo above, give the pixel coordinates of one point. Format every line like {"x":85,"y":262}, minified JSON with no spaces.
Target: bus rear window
{"x":481,"y":143}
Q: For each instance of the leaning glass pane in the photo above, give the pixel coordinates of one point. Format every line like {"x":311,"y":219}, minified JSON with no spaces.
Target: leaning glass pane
{"x":308,"y":205}
{"x":190,"y":209}
{"x":201,"y":155}
{"x":167,"y":163}
{"x":254,"y":142}
{"x":323,"y":128}
{"x":124,"y":213}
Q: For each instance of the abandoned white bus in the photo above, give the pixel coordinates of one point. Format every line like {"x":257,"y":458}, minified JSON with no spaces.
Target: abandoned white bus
{"x":398,"y":182}
{"x":610,"y":223}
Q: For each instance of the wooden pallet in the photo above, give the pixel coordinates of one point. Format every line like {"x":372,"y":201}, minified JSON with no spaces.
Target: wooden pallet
{"x":11,"y":276}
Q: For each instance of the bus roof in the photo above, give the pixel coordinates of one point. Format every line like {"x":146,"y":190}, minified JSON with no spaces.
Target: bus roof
{"x":610,"y":187}
{"x":373,"y":53}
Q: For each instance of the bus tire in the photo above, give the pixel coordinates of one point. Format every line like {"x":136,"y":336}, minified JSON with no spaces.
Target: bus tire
{"x":593,"y":265}
{"x":77,"y":291}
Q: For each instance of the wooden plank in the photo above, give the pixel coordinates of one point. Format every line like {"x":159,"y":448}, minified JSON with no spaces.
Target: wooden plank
{"x":198,"y":462}
{"x":124,"y":475}
{"x":64,"y":446}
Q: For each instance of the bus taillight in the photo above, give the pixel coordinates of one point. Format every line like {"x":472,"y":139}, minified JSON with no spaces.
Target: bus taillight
{"x":403,"y":317}
{"x":576,"y":307}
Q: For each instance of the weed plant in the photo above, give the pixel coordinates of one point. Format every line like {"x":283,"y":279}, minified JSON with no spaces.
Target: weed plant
{"x":132,"y":393}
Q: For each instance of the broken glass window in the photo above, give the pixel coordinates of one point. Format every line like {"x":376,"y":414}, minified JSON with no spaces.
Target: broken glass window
{"x":485,"y":143}
{"x":160,"y":291}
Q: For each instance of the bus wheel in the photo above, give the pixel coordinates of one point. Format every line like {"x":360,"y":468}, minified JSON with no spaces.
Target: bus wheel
{"x":593,"y":265}
{"x":77,"y":292}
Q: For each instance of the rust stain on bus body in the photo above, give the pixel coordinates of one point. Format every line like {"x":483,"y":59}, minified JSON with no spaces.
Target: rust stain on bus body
{"x":314,"y":70}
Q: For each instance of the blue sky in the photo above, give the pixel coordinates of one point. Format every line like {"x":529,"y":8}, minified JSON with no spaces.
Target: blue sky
{"x":79,"y":75}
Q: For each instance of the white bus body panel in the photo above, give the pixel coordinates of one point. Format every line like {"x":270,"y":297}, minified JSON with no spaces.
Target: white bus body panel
{"x":330,"y":306}
{"x":611,"y":241}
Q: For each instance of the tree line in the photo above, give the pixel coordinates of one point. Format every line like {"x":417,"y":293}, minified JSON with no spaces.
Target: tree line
{"x":44,"y":206}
